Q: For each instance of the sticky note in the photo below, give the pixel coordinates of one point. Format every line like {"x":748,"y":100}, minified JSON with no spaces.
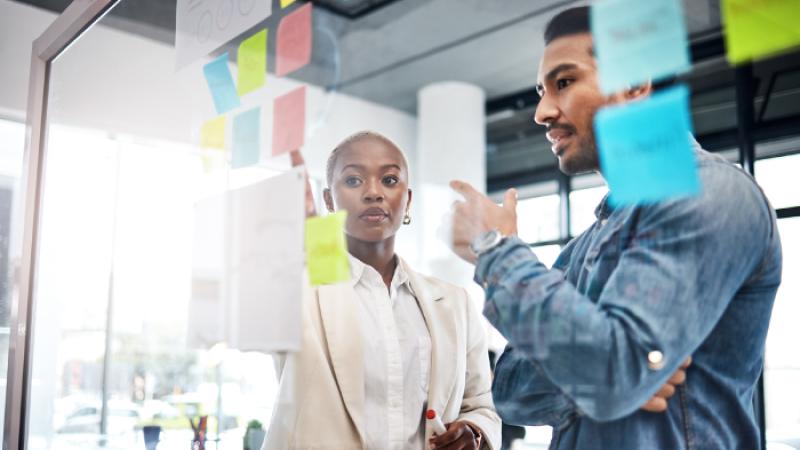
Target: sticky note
{"x":294,"y":41}
{"x":212,"y":133}
{"x":246,"y":138}
{"x":636,"y":41}
{"x":285,"y":3}
{"x":645,"y":150}
{"x":202,"y":26}
{"x":252,"y":61}
{"x":326,"y":249}
{"x":220,"y":82}
{"x":759,"y":28}
{"x":289,"y":121}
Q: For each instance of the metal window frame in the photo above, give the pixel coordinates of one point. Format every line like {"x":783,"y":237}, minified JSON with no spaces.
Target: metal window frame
{"x":65,"y":29}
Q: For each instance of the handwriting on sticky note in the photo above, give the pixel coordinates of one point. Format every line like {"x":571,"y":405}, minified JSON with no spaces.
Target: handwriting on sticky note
{"x":645,"y":150}
{"x":220,"y":83}
{"x":246,"y":138}
{"x":294,"y":41}
{"x":326,"y":249}
{"x":289,"y":121}
{"x":252,"y":61}
{"x":212,"y":133}
{"x":202,"y":26}
{"x":755,"y":29}
{"x":636,"y":41}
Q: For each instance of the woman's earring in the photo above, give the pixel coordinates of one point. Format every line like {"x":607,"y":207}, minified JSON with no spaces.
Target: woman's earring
{"x":407,"y":219}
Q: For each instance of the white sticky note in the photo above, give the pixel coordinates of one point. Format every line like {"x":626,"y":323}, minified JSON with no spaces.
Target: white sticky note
{"x":202,"y":26}
{"x":247,"y":267}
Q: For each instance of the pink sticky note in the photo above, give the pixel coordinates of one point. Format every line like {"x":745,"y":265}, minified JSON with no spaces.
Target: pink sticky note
{"x":294,"y":41}
{"x":289,"y":121}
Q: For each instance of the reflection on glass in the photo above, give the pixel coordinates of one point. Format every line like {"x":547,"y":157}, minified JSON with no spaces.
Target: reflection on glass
{"x":782,"y":365}
{"x":12,"y":137}
{"x":777,"y":177}
{"x":537,"y":218}
{"x":582,"y":204}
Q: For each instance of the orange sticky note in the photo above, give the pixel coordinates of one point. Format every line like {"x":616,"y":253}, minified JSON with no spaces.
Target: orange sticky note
{"x":294,"y":41}
{"x":289,"y":121}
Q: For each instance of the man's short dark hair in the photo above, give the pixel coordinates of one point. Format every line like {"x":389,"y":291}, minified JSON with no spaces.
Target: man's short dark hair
{"x":570,"y":21}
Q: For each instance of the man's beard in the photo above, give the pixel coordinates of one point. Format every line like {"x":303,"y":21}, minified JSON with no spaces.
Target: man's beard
{"x":581,"y":160}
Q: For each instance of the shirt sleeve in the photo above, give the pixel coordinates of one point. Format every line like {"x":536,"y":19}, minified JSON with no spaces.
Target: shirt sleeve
{"x":670,"y":286}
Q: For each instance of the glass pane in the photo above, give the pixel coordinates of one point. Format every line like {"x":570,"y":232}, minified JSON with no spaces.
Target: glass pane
{"x":582,"y":204}
{"x":782,"y":365}
{"x":12,"y":143}
{"x":547,"y":254}
{"x":778,"y":178}
{"x":538,"y":218}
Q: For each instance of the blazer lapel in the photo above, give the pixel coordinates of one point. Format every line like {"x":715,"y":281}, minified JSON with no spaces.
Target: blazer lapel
{"x":340,"y":319}
{"x":442,"y":328}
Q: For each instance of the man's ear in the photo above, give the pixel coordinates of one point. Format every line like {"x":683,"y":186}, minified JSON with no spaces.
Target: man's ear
{"x":326,"y":195}
{"x":639,"y":92}
{"x":632,"y":93}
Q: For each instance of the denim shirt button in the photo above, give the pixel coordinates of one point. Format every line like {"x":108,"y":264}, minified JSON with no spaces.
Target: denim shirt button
{"x":655,"y":360}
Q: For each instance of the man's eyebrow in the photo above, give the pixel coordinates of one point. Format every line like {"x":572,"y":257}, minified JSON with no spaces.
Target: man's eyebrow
{"x":558,"y":69}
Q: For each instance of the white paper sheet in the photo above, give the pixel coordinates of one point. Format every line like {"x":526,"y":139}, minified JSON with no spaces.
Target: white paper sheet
{"x":202,"y":26}
{"x":248,"y":267}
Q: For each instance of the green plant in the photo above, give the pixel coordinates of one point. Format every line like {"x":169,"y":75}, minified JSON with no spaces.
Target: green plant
{"x":255,"y":424}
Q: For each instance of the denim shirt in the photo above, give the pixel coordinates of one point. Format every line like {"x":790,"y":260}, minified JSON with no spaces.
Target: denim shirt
{"x":646,"y":286}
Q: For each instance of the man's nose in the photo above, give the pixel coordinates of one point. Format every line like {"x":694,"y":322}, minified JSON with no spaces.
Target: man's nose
{"x":546,"y":111}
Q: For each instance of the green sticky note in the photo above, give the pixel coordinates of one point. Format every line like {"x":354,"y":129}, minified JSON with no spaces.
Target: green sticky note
{"x":252,"y":60}
{"x":212,"y":133}
{"x":756,"y":28}
{"x":326,"y":249}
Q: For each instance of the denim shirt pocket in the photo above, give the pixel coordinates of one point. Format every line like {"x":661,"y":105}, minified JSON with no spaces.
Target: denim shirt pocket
{"x":603,"y":256}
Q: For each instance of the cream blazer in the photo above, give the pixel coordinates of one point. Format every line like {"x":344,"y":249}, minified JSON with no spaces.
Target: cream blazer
{"x":320,"y":401}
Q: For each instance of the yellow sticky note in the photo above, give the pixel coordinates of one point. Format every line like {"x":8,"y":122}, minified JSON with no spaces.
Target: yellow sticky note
{"x":756,"y":28}
{"x":212,"y":133}
{"x":326,"y":249}
{"x":252,"y":61}
{"x":285,"y":3}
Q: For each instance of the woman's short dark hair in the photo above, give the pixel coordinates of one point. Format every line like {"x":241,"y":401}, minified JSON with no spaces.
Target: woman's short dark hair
{"x":570,"y":21}
{"x":353,"y":138}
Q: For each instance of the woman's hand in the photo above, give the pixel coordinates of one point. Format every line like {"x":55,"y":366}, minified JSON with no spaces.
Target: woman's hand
{"x":459,"y":436}
{"x":297,"y":160}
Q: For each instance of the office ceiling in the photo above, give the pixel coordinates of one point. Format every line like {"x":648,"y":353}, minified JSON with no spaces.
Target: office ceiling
{"x":386,"y":50}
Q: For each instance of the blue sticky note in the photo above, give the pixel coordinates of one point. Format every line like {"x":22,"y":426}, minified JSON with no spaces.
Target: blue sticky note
{"x":645,"y":149}
{"x":220,"y":82}
{"x":638,"y":40}
{"x":246,"y":138}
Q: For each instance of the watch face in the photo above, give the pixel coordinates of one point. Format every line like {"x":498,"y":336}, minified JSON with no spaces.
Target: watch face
{"x":485,"y":241}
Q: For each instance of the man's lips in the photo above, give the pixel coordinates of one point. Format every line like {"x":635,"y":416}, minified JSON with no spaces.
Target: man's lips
{"x":374,"y":215}
{"x":558,"y":138}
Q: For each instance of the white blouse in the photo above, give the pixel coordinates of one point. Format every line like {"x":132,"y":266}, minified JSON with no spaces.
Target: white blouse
{"x":397,"y":359}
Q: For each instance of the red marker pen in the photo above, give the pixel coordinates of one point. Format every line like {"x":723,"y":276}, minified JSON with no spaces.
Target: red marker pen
{"x":436,"y":422}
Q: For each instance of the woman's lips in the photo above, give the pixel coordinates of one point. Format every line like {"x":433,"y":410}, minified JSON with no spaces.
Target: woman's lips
{"x":374,"y":215}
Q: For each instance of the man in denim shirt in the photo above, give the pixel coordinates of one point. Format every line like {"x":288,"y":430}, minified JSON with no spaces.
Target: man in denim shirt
{"x":630,"y":298}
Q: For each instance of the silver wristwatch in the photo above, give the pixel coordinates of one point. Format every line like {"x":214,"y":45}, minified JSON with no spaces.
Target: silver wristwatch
{"x":486,"y":241}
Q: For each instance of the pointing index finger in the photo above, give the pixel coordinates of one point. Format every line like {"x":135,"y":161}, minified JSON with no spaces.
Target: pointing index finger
{"x":465,"y":189}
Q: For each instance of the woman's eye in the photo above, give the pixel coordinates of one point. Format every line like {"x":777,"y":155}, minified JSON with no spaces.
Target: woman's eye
{"x":390,"y":180}
{"x":563,"y":82}
{"x":352,"y":181}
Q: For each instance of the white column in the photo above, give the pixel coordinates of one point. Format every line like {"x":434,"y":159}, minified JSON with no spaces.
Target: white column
{"x":451,"y":145}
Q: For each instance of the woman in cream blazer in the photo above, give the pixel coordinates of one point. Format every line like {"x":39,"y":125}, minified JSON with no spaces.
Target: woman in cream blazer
{"x":321,"y":403}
